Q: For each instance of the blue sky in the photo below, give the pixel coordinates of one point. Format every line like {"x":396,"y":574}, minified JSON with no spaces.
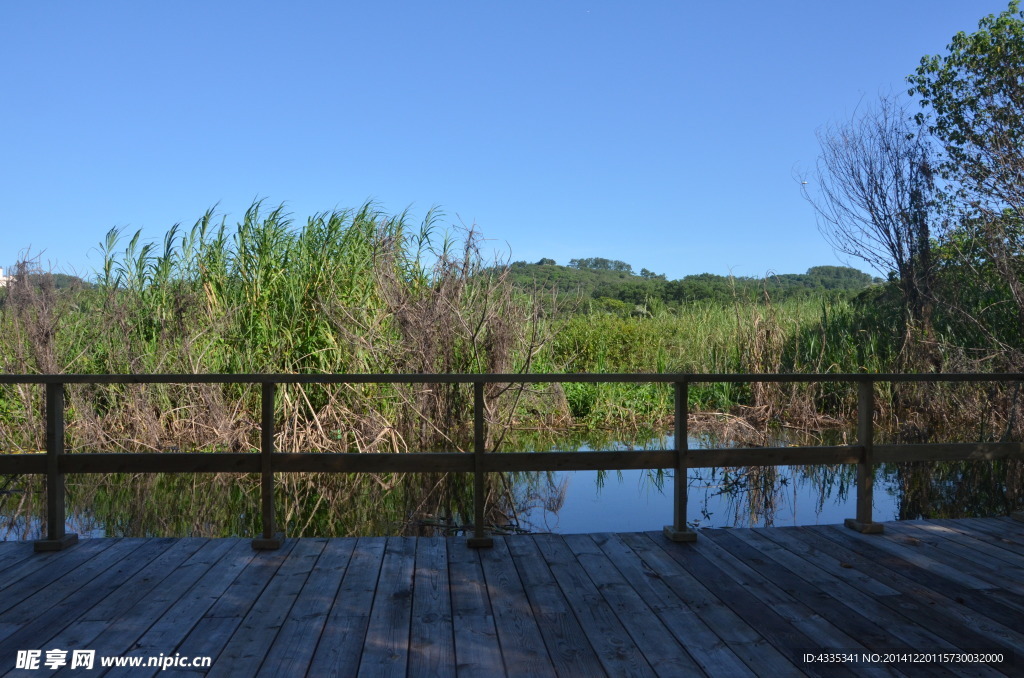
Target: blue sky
{"x":664,"y":134}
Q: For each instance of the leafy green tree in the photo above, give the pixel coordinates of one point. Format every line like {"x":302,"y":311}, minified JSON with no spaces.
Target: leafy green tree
{"x":972,"y":99}
{"x":601,"y":264}
{"x":838,"y":278}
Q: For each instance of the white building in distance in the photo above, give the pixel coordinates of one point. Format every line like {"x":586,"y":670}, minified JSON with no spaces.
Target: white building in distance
{"x":5,"y":279}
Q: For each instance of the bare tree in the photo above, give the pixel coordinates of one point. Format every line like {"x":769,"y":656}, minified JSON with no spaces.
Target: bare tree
{"x":874,"y":198}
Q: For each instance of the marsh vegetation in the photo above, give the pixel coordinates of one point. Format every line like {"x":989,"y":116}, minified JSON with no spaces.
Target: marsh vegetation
{"x":361,"y":292}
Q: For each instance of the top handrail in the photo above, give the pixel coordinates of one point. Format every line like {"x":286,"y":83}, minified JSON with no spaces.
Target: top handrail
{"x":516,"y":377}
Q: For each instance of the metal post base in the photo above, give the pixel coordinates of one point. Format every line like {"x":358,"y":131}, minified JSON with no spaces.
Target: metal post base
{"x":864,"y":528}
{"x":268,"y":543}
{"x":685,"y":534}
{"x":480,"y":542}
{"x":56,"y":544}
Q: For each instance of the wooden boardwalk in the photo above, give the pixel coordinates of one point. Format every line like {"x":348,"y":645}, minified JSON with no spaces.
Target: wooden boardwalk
{"x":739,"y":602}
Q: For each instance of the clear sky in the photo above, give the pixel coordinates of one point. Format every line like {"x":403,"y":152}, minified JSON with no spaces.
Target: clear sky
{"x":664,"y":134}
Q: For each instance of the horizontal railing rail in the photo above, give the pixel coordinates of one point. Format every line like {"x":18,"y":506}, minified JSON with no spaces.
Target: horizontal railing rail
{"x":55,"y":464}
{"x":492,"y":378}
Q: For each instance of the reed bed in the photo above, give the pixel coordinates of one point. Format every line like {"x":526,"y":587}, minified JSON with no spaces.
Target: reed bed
{"x":361,"y":291}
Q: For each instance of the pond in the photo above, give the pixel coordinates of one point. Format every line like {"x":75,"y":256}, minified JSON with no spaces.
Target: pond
{"x":636,"y":501}
{"x":641,"y":500}
{"x":564,"y":502}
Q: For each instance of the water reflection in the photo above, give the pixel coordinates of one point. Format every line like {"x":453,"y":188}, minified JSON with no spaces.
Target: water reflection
{"x":753,"y":496}
{"x":429,"y":504}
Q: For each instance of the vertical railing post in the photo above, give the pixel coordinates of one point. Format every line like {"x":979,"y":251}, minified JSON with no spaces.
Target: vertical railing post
{"x":268,"y":540}
{"x":678,"y":530}
{"x":56,"y":538}
{"x":866,"y":467}
{"x":479,"y":538}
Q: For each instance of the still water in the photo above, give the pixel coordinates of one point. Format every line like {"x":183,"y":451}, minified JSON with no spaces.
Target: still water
{"x":634,"y":500}
{"x":641,"y":500}
{"x":223,"y":505}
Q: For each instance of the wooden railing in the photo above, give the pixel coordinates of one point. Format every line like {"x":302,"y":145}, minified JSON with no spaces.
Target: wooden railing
{"x":55,"y":464}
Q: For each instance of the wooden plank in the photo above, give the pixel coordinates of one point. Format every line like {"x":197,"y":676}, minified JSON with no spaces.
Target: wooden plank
{"x":61,"y":601}
{"x":858,"y":630}
{"x":712,"y":655}
{"x":353,"y":462}
{"x":948,"y":452}
{"x":980,"y":548}
{"x":615,"y":648}
{"x":240,"y":594}
{"x":210,"y":579}
{"x":207,"y":639}
{"x":22,"y":464}
{"x":160,"y":462}
{"x":946,"y":616}
{"x":522,"y":644}
{"x":14,"y":552}
{"x":658,"y":646}
{"x":75,"y":636}
{"x":535,"y":599}
{"x":568,"y":647}
{"x":772,"y":456}
{"x":477,"y":652}
{"x":249,"y":644}
{"x":341,"y":642}
{"x":955,"y":613}
{"x":214,"y":632}
{"x":993,"y":531}
{"x":292,"y":650}
{"x":140,"y":587}
{"x":578,"y":461}
{"x":1002,"y":584}
{"x":733,"y":629}
{"x":881,"y":609}
{"x":23,"y":579}
{"x":125,"y":611}
{"x":1010,"y":524}
{"x":503,"y":378}
{"x":888,"y":550}
{"x":57,"y":611}
{"x":823,"y":559}
{"x":432,"y":640}
{"x":122,"y":618}
{"x":386,"y":651}
{"x":961,"y":552}
{"x":788,"y":625}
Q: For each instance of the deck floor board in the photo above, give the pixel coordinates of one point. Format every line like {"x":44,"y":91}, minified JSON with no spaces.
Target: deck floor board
{"x":736,"y":602}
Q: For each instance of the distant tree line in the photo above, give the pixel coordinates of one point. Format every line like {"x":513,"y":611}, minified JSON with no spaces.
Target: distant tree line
{"x":599,"y":264}
{"x":607,"y":280}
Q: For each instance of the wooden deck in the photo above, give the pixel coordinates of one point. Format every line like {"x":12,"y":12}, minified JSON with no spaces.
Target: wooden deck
{"x":738,"y":602}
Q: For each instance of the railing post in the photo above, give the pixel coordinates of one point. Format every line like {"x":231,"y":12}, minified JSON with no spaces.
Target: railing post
{"x":56,"y":538}
{"x":479,"y":538}
{"x":866,"y":467}
{"x":678,"y":530}
{"x":269,"y":540}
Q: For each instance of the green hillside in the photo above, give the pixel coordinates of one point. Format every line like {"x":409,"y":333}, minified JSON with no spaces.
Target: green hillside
{"x":614,"y":285}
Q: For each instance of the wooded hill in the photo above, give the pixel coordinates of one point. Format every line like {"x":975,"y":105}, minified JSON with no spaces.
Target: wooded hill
{"x":613,"y":285}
